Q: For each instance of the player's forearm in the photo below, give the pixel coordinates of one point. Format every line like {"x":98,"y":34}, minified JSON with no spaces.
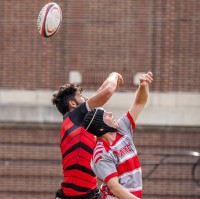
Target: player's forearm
{"x":142,"y":94}
{"x":110,"y":83}
{"x":143,"y":90}
{"x":120,"y":192}
{"x":105,"y":91}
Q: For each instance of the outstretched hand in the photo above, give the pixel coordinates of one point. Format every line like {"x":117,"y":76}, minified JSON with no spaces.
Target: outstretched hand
{"x":146,"y":79}
{"x":120,"y":80}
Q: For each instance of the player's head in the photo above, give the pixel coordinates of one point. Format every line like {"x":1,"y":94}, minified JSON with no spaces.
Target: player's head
{"x":99,"y":122}
{"x":68,"y":97}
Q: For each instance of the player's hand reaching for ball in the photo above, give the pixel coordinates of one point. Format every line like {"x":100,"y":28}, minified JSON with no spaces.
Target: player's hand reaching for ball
{"x":146,"y":79}
{"x":115,"y":76}
{"x":120,"y":80}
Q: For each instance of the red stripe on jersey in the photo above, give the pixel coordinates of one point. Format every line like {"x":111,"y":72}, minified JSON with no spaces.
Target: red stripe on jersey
{"x":70,"y":141}
{"x":99,"y":145}
{"x":107,"y":144}
{"x":75,"y":134}
{"x":82,"y":179}
{"x":99,"y":158}
{"x":76,"y":147}
{"x":74,"y":158}
{"x":97,"y":152}
{"x":67,"y":123}
{"x":79,"y":140}
{"x":110,"y":176}
{"x":101,"y":142}
{"x":137,"y":193}
{"x":131,"y":120}
{"x":129,"y":165}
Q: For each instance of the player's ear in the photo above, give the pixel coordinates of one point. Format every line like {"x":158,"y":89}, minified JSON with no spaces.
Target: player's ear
{"x":72,"y":104}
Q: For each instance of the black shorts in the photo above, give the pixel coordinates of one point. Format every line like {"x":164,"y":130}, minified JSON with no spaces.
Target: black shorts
{"x":95,"y":194}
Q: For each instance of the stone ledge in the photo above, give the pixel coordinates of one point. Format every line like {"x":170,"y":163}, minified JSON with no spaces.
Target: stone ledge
{"x":171,"y":109}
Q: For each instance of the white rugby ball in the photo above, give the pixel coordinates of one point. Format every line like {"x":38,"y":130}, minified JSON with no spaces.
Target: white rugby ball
{"x":49,"y":19}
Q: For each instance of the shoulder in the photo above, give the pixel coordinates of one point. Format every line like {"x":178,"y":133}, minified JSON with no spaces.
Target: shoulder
{"x":126,"y":125}
{"x":78,"y":113}
{"x":126,"y":120}
{"x":80,"y":109}
{"x":101,"y":151}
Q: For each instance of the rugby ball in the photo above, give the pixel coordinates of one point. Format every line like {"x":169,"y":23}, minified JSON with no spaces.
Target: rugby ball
{"x":49,"y":19}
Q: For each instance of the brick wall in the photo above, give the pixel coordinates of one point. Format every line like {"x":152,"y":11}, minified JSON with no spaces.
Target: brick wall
{"x":97,"y":37}
{"x":30,"y":163}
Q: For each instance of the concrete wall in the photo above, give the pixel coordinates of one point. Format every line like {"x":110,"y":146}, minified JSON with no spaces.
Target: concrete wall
{"x":171,"y":109}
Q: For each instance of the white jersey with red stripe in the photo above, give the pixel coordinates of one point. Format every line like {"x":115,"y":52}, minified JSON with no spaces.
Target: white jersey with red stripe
{"x":119,"y":159}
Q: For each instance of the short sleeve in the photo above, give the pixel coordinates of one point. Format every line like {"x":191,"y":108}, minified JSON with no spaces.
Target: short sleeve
{"x":126,"y":125}
{"x":104,"y":167}
{"x":78,"y":114}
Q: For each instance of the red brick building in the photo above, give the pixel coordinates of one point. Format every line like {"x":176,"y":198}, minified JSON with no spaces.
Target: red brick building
{"x":96,"y":38}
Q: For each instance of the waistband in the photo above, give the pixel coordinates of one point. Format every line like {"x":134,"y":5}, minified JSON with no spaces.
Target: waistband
{"x":94,"y":194}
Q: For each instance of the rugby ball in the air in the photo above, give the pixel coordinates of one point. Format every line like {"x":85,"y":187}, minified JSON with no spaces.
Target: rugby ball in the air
{"x":49,"y":19}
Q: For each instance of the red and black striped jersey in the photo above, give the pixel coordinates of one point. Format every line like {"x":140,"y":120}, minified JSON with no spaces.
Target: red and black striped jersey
{"x":77,"y":147}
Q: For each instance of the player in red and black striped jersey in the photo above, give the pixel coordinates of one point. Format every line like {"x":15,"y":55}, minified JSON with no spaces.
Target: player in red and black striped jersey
{"x":115,"y":160}
{"x":75,"y":142}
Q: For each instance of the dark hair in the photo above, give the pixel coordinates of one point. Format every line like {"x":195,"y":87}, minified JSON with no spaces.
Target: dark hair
{"x":62,"y":97}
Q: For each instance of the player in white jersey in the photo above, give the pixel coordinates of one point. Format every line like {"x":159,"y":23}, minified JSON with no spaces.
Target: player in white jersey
{"x":115,"y":160}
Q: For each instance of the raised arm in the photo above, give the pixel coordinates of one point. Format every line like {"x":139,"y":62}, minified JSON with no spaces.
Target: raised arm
{"x":141,"y":95}
{"x":105,"y":91}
